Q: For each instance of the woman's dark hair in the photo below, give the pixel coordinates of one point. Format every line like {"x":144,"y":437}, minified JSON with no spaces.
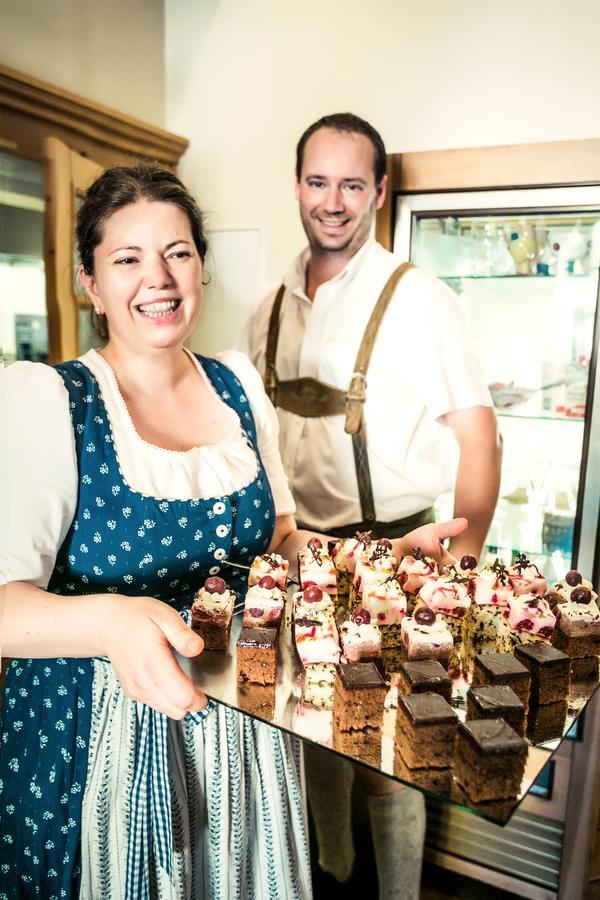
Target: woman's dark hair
{"x":118,"y":187}
{"x":351,"y":124}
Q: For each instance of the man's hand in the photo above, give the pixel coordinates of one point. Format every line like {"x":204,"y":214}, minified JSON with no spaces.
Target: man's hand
{"x":428,"y":539}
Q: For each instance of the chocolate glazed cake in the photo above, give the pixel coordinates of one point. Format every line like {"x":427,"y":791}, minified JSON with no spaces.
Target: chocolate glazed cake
{"x":424,"y":676}
{"x":358,"y":697}
{"x":425,"y":731}
{"x":503,"y":668}
{"x":496,"y":701}
{"x":490,"y":759}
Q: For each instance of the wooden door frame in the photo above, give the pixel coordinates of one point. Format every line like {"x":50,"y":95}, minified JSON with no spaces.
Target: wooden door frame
{"x":74,"y":138}
{"x":556,"y":163}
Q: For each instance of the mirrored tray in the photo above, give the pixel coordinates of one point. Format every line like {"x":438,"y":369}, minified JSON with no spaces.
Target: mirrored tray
{"x":282,"y":705}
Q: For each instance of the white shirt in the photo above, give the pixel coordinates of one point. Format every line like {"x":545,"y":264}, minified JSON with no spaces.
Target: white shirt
{"x":423,"y":366}
{"x":38,"y":477}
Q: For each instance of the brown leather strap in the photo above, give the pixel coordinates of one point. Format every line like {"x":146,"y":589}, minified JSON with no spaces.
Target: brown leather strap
{"x":310,"y":398}
{"x":270,"y":377}
{"x":358,"y":384}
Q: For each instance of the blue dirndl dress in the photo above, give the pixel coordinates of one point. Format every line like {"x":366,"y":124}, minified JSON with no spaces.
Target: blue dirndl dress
{"x":102,"y":797}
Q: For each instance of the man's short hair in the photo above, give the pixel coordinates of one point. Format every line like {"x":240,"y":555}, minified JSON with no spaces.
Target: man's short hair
{"x":352,"y":124}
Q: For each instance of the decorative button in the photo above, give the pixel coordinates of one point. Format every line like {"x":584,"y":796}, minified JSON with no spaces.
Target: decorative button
{"x":222,"y":530}
{"x":220,"y":553}
{"x":219,"y":508}
{"x":214,"y":570}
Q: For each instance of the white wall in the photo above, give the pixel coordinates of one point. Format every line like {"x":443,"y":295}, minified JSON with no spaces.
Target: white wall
{"x":244,"y":79}
{"x":110,"y":51}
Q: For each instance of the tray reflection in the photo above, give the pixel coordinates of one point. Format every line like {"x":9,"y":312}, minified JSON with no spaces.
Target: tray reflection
{"x":282,"y":706}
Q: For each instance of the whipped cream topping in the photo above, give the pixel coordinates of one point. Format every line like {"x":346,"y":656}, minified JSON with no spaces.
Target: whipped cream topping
{"x":565,"y":590}
{"x":352,"y":632}
{"x":263,"y":598}
{"x":436,"y":634}
{"x":305,"y":610}
{"x":578,"y":619}
{"x":214,"y":602}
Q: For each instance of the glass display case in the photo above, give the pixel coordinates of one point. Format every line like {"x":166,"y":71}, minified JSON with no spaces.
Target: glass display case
{"x":524,"y":266}
{"x":523,"y":263}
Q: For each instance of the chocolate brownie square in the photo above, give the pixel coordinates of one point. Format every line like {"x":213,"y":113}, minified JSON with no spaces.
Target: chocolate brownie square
{"x":257,"y":699}
{"x":490,"y":759}
{"x":424,"y":676}
{"x":549,"y":669}
{"x":496,"y":701}
{"x":364,"y":746}
{"x":576,"y":647}
{"x":425,"y":731}
{"x":585,"y":669}
{"x":358,"y":697}
{"x":436,"y":781}
{"x":256,"y":655}
{"x":503,"y":668}
{"x":546,"y":722}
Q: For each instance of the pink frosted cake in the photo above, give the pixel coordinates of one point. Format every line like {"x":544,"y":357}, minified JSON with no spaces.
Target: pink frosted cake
{"x":373,"y":567}
{"x":486,"y":630}
{"x":264,"y":604}
{"x":315,"y":566}
{"x":317,"y":641}
{"x":360,"y":637}
{"x":345,"y":554}
{"x":526,"y":578}
{"x":271,"y":564}
{"x":414,"y":570}
{"x":448,"y":596}
{"x":529,"y":619}
{"x":425,"y":636}
{"x":385,"y":600}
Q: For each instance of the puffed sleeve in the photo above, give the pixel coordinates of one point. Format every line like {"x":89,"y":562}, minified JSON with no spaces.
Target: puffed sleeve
{"x":267,"y":428}
{"x":38,"y":475}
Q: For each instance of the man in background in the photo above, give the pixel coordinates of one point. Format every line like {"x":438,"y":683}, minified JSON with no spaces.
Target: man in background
{"x":382,"y":407}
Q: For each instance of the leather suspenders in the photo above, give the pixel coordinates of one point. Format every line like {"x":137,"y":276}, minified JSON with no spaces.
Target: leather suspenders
{"x":310,"y":398}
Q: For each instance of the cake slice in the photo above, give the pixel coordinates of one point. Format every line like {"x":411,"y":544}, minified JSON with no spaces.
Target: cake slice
{"x":526,"y":578}
{"x":317,"y":641}
{"x":345,"y":554}
{"x":425,"y":636}
{"x":414,"y":570}
{"x":448,"y":597}
{"x":424,"y":676}
{"x":315,"y":566}
{"x":490,"y":759}
{"x":360,"y":638}
{"x":503,"y":668}
{"x":212,"y":611}
{"x":386,"y":601}
{"x":562,"y":590}
{"x":272,"y":565}
{"x":546,"y":721}
{"x":372,"y":568}
{"x":486,"y":630}
{"x":264,"y":604}
{"x":549,"y":671}
{"x":256,"y":655}
{"x":577,"y":631}
{"x":425,"y":731}
{"x":489,"y":701}
{"x":529,"y":618}
{"x":319,"y":684}
{"x":358,"y":697}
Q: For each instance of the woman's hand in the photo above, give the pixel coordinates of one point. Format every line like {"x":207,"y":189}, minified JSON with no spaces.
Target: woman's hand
{"x":428,"y":539}
{"x":139,"y":634}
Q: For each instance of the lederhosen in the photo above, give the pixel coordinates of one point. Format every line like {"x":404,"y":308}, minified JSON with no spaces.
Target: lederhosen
{"x":310,"y":398}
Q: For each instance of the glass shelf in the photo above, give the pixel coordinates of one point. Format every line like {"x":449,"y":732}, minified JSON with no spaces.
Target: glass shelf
{"x":214,"y":672}
{"x":564,"y":276}
{"x":503,"y":412}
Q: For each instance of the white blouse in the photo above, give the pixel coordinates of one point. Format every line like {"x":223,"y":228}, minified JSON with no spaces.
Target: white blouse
{"x":38,"y":471}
